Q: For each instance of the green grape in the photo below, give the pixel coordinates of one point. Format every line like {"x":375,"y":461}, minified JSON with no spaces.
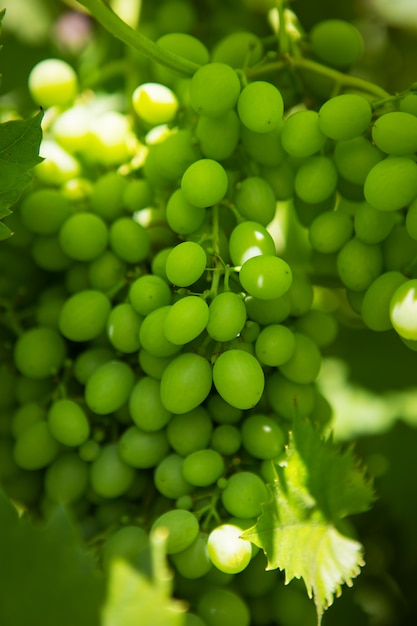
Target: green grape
{"x":71,"y":127}
{"x":185,"y":263}
{"x":168,"y":478}
{"x":301,"y":135}
{"x":107,"y":195}
{"x":184,"y":45}
{"x":128,"y":543}
{"x":84,"y":315}
{"x":316,"y":179}
{"x":275,"y":345}
{"x":153,"y":365}
{"x":66,"y":479}
{"x":266,"y":312}
{"x":88,"y":361}
{"x":264,"y":148}
{"x":190,"y":431}
{"x":244,"y":495}
{"x":185,"y":383}
{"x":238,"y":378}
{"x":249,"y":239}
{"x":193,"y":562}
{"x":265,"y":277}
{"x":391,"y":184}
{"x":204,"y":183}
{"x":154,"y":103}
{"x":226,"y":439}
{"x":24,"y":416}
{"x":110,"y":476}
{"x":68,"y":422}
{"x":395,"y":133}
{"x":39,"y":352}
{"x":106,"y":271}
{"x":145,"y":406}
{"x":238,"y":49}
{"x":152,"y":337}
{"x":214,"y":89}
{"x":282,"y":179}
{"x":141,"y":449}
{"x":203,"y":467}
{"x":304,"y":365}
{"x":53,"y":82}
{"x":58,"y":167}
{"x":409,"y":103}
{"x":186,"y":319}
{"x":227,"y":551}
{"x":411,"y":220}
{"x":182,"y":527}
{"x":375,"y":309}
{"x":300,"y":294}
{"x":329,"y":231}
{"x":354,"y":158}
{"x":48,"y":254}
{"x":49,"y":307}
{"x":254,"y":198}
{"x":262,"y":437}
{"x":359,"y":264}
{"x":175,"y":154}
{"x":345,"y":116}
{"x":337,"y":42}
{"x":109,"y":386}
{"x":399,"y":249}
{"x":222,"y":607}
{"x":89,"y":451}
{"x":288,"y":398}
{"x":109,"y":139}
{"x":371,"y":225}
{"x":129,"y":240}
{"x":76,"y":278}
{"x":218,"y":137}
{"x":137,"y":195}
{"x":182,"y":216}
{"x":36,"y":448}
{"x":260,"y":106}
{"x":227,"y":316}
{"x":149,"y":292}
{"x":83,"y":236}
{"x":402,"y":310}
{"x":44,"y":210}
{"x":123,"y":325}
{"x":320,"y":326}
{"x":256,"y":581}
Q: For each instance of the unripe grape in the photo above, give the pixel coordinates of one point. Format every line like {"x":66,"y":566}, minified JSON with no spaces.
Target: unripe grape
{"x":260,"y":106}
{"x":53,"y":82}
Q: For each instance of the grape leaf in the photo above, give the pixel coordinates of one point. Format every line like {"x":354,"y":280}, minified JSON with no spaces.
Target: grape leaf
{"x":46,"y":577}
{"x":316,"y":486}
{"x":132,"y":599}
{"x":19,"y":153}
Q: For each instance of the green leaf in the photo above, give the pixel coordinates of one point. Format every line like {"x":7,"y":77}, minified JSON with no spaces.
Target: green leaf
{"x":317,"y":485}
{"x":19,"y":153}
{"x":132,"y":599}
{"x":46,"y":577}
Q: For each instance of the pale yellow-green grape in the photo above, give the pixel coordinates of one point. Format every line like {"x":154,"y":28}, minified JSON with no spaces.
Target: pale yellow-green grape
{"x":154,"y":103}
{"x":53,"y":82}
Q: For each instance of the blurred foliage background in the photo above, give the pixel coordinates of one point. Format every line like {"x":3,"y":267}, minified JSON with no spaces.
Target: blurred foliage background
{"x":370,"y":379}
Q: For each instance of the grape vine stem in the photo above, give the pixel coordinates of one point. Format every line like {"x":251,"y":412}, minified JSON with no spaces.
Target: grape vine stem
{"x":128,"y":35}
{"x":301,"y":63}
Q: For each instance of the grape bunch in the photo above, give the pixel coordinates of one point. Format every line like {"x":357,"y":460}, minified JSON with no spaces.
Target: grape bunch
{"x":162,"y":332}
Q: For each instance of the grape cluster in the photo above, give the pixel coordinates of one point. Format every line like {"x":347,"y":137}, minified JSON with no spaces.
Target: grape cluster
{"x":160,"y":341}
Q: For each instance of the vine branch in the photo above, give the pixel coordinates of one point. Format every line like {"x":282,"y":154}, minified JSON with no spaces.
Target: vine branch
{"x":128,"y":35}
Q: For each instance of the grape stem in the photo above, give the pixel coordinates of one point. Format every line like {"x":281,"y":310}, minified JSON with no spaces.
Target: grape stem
{"x":128,"y":35}
{"x":341,"y":79}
